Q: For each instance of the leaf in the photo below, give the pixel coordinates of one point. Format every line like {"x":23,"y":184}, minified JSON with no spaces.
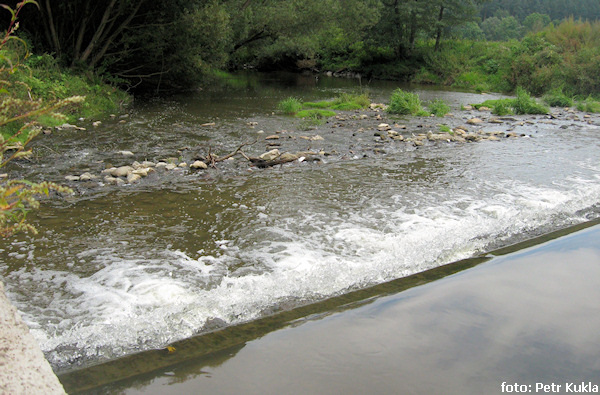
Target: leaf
{"x":9,"y":9}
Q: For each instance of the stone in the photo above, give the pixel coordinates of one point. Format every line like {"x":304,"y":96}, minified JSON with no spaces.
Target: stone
{"x":72,"y":178}
{"x":96,"y":123}
{"x":288,"y":157}
{"x":182,"y":165}
{"x":125,"y":153}
{"x":272,"y":137}
{"x":142,"y":172}
{"x":147,"y":163}
{"x":474,"y":121}
{"x":122,"y":171}
{"x":468,"y":107}
{"x":383,"y":127}
{"x":270,"y":155}
{"x":161,"y":165}
{"x":108,"y":171}
{"x":208,"y":124}
{"x":170,"y":166}
{"x":199,"y":165}
{"x":484,"y":108}
{"x":496,"y":120}
{"x":87,"y":177}
{"x":132,"y":178}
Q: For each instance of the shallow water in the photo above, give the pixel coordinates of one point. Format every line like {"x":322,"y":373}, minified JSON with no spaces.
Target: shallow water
{"x":116,"y":271}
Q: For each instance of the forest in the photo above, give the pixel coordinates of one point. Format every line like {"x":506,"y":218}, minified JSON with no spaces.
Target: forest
{"x":175,"y":44}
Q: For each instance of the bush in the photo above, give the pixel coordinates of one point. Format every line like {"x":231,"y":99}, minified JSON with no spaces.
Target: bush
{"x":501,"y":108}
{"x":404,"y":103}
{"x":525,"y":104}
{"x":290,"y":106}
{"x":556,"y":98}
{"x":589,"y":105}
{"x":439,"y":108}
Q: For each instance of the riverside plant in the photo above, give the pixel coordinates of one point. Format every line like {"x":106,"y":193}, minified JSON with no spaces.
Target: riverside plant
{"x":439,"y":108}
{"x":18,"y":197}
{"x":405,"y":103}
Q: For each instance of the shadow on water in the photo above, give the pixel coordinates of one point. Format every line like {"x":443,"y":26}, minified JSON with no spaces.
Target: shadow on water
{"x":189,"y":358}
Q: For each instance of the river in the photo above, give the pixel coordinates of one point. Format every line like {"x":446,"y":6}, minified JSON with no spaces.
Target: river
{"x":118,"y":270}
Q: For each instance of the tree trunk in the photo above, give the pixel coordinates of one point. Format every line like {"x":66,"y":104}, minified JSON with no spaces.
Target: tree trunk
{"x":438,"y":36}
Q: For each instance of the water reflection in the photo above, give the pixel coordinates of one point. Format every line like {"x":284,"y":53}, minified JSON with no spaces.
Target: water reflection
{"x":529,"y":317}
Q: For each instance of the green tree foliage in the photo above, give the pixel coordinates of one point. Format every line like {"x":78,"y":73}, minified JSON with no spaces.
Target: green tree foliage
{"x":555,"y":9}
{"x":18,"y":197}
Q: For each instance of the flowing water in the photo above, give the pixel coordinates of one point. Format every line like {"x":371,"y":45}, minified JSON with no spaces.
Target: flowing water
{"x":116,"y":270}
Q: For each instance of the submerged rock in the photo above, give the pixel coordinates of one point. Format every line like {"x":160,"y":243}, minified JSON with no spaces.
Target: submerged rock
{"x":199,"y":165}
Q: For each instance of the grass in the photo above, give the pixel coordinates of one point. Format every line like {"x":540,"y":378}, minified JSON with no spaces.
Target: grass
{"x":446,"y":129}
{"x":524,"y":103}
{"x":589,"y":105}
{"x":316,"y":111}
{"x":405,"y":103}
{"x":40,"y":80}
{"x":290,"y":106}
{"x":557,"y":98}
{"x":439,"y":108}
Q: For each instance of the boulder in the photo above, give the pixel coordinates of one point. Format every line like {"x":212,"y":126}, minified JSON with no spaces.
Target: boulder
{"x":199,"y":165}
{"x":122,"y":171}
{"x":288,"y":157}
{"x":383,"y":127}
{"x":271,"y":155}
{"x":474,"y":121}
{"x":132,"y":178}
{"x":72,"y":178}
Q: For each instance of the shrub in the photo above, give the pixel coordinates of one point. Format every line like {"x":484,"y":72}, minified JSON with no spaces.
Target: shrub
{"x":589,"y":105}
{"x":404,"y":103}
{"x":525,"y":104}
{"x":289,"y":106}
{"x":501,"y":108}
{"x":439,"y":108}
{"x":557,"y":98}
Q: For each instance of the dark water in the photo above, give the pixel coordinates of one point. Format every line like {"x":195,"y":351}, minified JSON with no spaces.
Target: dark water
{"x":118,"y":270}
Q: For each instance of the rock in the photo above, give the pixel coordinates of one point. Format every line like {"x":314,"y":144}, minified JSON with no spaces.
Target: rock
{"x":474,"y":121}
{"x":208,"y":124}
{"x":67,"y":126}
{"x":288,"y":157}
{"x":147,"y":163}
{"x":182,"y":165}
{"x":110,"y":180}
{"x":398,"y":138}
{"x":122,"y":171}
{"x":96,"y":123}
{"x":161,"y":165}
{"x":143,"y":172}
{"x":383,"y":127}
{"x":272,"y":137}
{"x":493,"y":138}
{"x":170,"y":166}
{"x":125,"y":153}
{"x":87,"y":177}
{"x":132,"y":178}
{"x":468,"y":107}
{"x":199,"y":165}
{"x":108,"y":171}
{"x":496,"y":120}
{"x":271,"y":155}
{"x":363,"y":116}
{"x":483,"y":108}
{"x":72,"y":178}
{"x":472,"y":137}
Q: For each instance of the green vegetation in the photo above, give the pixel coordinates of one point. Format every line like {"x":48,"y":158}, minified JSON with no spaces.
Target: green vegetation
{"x":439,"y":108}
{"x":290,"y":106}
{"x":18,"y":120}
{"x":405,"y":103}
{"x":589,"y":105}
{"x":323,"y":109}
{"x":522,"y":104}
{"x":557,"y":98}
{"x":446,"y":129}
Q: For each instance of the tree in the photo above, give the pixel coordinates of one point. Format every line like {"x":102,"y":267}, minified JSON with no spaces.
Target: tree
{"x":536,"y":22}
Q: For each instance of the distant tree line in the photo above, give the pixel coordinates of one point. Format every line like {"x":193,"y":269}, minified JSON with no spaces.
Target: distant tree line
{"x":174,"y":43}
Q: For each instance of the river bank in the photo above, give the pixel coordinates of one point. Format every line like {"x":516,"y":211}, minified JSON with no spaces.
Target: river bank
{"x":523,"y":315}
